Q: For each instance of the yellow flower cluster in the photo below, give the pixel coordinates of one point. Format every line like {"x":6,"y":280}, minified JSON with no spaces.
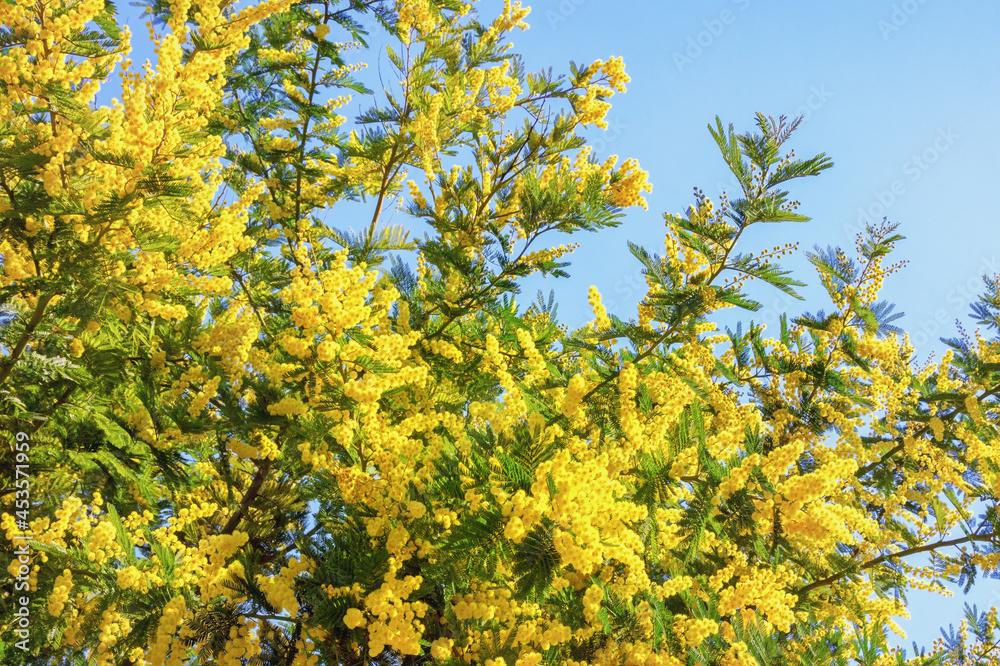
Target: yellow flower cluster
{"x":60,"y":593}
{"x":538,"y":257}
{"x":244,"y":644}
{"x":243,"y":450}
{"x":601,"y":319}
{"x":425,"y":128}
{"x":522,"y":513}
{"x":288,"y":406}
{"x":398,"y":623}
{"x":354,"y":618}
{"x":499,"y":79}
{"x":210,"y":559}
{"x":765,"y":590}
{"x":280,"y":589}
{"x":174,"y":613}
{"x":267,"y":447}
{"x":415,"y":14}
{"x":113,"y":628}
{"x":231,"y":339}
{"x":695,"y":630}
{"x":573,"y":401}
{"x":441,"y":648}
{"x":76,"y":347}
{"x":629,"y":185}
{"x":543,"y":635}
{"x":737,"y":477}
{"x":132,"y":578}
{"x":592,"y":603}
{"x":937,"y":425}
{"x":537,"y":368}
{"x":512,"y":16}
{"x":591,"y":107}
{"x":445,"y":349}
{"x":102,"y":544}
{"x":739,"y":655}
{"x":200,"y":400}
{"x":595,"y":524}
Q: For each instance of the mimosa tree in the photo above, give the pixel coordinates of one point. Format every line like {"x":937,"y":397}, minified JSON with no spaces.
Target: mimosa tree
{"x":254,"y":418}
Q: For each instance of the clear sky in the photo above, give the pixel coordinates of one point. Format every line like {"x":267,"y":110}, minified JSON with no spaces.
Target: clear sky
{"x":902,"y":95}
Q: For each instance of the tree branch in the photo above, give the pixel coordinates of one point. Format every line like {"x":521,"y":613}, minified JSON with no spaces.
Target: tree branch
{"x":252,"y":492}
{"x":15,"y":353}
{"x":823,"y":582}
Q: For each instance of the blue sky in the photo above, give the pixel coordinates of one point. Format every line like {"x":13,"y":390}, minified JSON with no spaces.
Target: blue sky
{"x":902,"y":95}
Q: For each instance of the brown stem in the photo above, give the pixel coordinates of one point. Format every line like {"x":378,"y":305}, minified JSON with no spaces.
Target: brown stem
{"x":305,"y":126}
{"x":386,"y":178}
{"x":8,"y":190}
{"x":59,"y":403}
{"x":246,"y":290}
{"x":15,"y":353}
{"x":248,"y":498}
{"x":252,"y":491}
{"x":882,"y":558}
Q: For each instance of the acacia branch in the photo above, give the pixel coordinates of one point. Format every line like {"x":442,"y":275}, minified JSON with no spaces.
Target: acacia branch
{"x":387,"y":175}
{"x":246,"y":290}
{"x":672,"y":330}
{"x":252,"y":492}
{"x":58,"y":403}
{"x":15,"y":353}
{"x":823,"y":582}
{"x":248,"y":498}
{"x":920,"y":433}
{"x":300,"y":167}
